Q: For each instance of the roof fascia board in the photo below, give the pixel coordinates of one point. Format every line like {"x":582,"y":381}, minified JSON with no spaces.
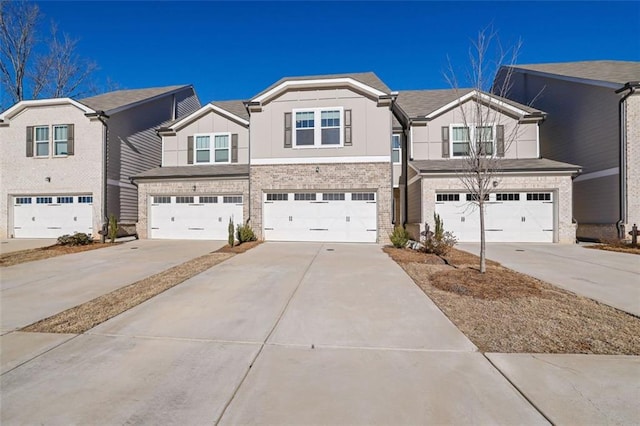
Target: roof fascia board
{"x":593,"y":82}
{"x":145,"y":100}
{"x":319,"y":82}
{"x":523,"y":171}
{"x":43,"y":102}
{"x":492,"y":101}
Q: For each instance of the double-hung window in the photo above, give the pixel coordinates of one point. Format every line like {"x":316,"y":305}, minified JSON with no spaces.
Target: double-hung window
{"x":461,"y":137}
{"x":318,"y":127}
{"x":395,"y":149}
{"x":212,"y":148}
{"x":41,"y":137}
{"x":60,"y":138}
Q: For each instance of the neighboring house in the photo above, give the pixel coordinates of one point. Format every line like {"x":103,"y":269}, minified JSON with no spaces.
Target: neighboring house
{"x":320,"y":159}
{"x":593,"y":120}
{"x":531,"y":201}
{"x":65,"y":164}
{"x":204,"y":178}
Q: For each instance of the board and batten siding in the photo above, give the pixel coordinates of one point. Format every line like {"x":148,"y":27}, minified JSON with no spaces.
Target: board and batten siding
{"x":371,"y":125}
{"x":175,"y":146}
{"x":134,"y":147}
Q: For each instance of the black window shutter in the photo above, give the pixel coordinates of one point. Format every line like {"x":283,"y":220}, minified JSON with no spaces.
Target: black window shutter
{"x":29,"y":141}
{"x":234,"y":148}
{"x":190,"y":150}
{"x":287,"y":130}
{"x":500,"y":141}
{"x":70,"y":143}
{"x":445,"y":142}
{"x":347,"y":128}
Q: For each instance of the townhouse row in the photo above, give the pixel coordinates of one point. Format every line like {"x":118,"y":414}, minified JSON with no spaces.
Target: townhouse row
{"x":338,"y":158}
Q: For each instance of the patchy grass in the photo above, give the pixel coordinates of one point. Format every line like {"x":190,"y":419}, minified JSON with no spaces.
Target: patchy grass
{"x":88,"y":315}
{"x":505,"y":311}
{"x":22,"y":256}
{"x":621,"y":247}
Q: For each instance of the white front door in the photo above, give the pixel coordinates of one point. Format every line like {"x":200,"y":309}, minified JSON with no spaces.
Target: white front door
{"x":50,"y":216}
{"x":509,"y":216}
{"x":204,"y":217}
{"x":320,"y":216}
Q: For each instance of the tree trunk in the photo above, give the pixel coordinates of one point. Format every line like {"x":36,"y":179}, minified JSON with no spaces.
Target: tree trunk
{"x":483,"y":262}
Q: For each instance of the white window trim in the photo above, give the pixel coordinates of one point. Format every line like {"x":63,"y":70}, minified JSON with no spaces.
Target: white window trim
{"x":53,"y":137}
{"x":317,"y":128}
{"x":398,"y":149}
{"x":212,"y":149}
{"x":36,"y":142}
{"x":472,"y":134}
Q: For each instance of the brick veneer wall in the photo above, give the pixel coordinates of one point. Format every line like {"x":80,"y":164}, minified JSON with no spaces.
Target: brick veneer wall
{"x":633,"y":162}
{"x":345,"y":176}
{"x":185,"y":187}
{"x":561,"y":185}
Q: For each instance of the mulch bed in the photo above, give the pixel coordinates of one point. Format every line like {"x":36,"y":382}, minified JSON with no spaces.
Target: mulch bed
{"x":505,"y":311}
{"x":620,"y":248}
{"x":22,"y":256}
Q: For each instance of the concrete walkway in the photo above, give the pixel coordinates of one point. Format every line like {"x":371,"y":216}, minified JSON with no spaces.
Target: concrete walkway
{"x":608,"y":277}
{"x":286,"y":333}
{"x":11,"y":245}
{"x":299,"y":334}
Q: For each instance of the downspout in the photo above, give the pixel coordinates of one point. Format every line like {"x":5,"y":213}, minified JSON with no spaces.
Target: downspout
{"x":622,"y":112}
{"x":105,"y":134}
{"x":246,"y":106}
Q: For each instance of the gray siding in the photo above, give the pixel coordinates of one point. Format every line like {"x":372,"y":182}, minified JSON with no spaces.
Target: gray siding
{"x":186,"y":103}
{"x":594,"y":201}
{"x":414,"y":199}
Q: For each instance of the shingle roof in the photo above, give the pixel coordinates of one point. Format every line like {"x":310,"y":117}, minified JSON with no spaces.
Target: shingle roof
{"x":120,"y":98}
{"x":234,"y":107}
{"x":368,"y":78}
{"x":419,"y":103}
{"x":218,"y":170}
{"x":620,"y":72}
{"x":505,"y":164}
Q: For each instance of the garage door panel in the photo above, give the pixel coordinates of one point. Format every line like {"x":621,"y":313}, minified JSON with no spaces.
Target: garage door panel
{"x":50,"y":216}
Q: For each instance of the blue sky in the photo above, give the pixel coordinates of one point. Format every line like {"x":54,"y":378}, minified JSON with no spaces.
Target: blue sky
{"x":233,"y":50}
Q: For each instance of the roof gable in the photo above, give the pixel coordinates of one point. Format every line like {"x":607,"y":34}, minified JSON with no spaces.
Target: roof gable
{"x":22,"y":105}
{"x":613,"y":72}
{"x":234,"y":110}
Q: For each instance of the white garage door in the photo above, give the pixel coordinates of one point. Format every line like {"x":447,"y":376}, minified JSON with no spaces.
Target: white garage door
{"x":204,"y":217}
{"x":50,"y":216}
{"x":329,"y":216}
{"x":509,"y":217}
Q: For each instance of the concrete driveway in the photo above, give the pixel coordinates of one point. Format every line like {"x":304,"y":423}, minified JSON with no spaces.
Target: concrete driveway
{"x":608,"y":277}
{"x":32,"y":291}
{"x":283,"y":334}
{"x":16,"y":244}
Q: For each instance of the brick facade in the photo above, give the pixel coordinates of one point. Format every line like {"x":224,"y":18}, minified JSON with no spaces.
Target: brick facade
{"x":633,"y":162}
{"x":560,"y":185}
{"x":186,"y":187}
{"x":366,"y":176}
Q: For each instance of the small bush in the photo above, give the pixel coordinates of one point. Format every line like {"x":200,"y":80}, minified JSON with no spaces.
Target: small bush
{"x":113,"y":228}
{"x":77,"y":239}
{"x":438,"y":242}
{"x":231,"y":239}
{"x":399,"y":237}
{"x":245,"y":233}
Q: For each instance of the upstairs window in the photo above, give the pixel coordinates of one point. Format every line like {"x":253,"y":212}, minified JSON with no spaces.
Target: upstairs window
{"x":318,"y":127}
{"x":461,"y":137}
{"x":50,"y":140}
{"x":396,"y":149}
{"x":460,"y":141}
{"x":41,"y":137}
{"x":212,"y":148}
{"x":60,"y":138}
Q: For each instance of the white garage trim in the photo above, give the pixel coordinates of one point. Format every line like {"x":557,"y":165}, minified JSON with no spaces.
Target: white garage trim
{"x":50,"y":216}
{"x":349,"y":216}
{"x":193,"y":217}
{"x":513,"y":216}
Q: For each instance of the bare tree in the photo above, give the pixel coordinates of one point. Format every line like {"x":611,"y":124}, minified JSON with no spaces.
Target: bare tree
{"x":58,"y":71}
{"x":481,"y":160}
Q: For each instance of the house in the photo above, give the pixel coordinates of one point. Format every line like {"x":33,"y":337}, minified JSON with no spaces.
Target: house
{"x":204,"y":178}
{"x":307,"y":159}
{"x":65,"y":164}
{"x":593,"y":120}
{"x":531,"y":198}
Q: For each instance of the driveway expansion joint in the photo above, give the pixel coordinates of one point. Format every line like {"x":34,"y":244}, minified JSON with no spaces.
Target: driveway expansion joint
{"x":315,"y":346}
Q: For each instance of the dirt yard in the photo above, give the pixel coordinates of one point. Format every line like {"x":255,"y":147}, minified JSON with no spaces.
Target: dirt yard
{"x":504,"y":311}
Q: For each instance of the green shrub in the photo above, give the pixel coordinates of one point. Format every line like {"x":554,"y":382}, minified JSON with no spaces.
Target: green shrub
{"x":245,"y":233}
{"x":113,"y":228}
{"x":230,"y":229}
{"x":439,"y":241}
{"x":399,"y":237}
{"x":77,"y":239}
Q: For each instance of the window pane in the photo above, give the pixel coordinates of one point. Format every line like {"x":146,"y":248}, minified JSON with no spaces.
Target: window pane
{"x":42,"y":149}
{"x":60,"y":133}
{"x":304,"y":120}
{"x":330,"y":118}
{"x":202,"y":156}
{"x":221,"y":141}
{"x":61,"y":148}
{"x":222,"y":155}
{"x":484,"y":133}
{"x":460,"y":134}
{"x":395,"y":155}
{"x":460,"y":148}
{"x":331,"y":136}
{"x":304,"y":137}
{"x":395,"y":140}
{"x":202,"y":142}
{"x":42,"y":134}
